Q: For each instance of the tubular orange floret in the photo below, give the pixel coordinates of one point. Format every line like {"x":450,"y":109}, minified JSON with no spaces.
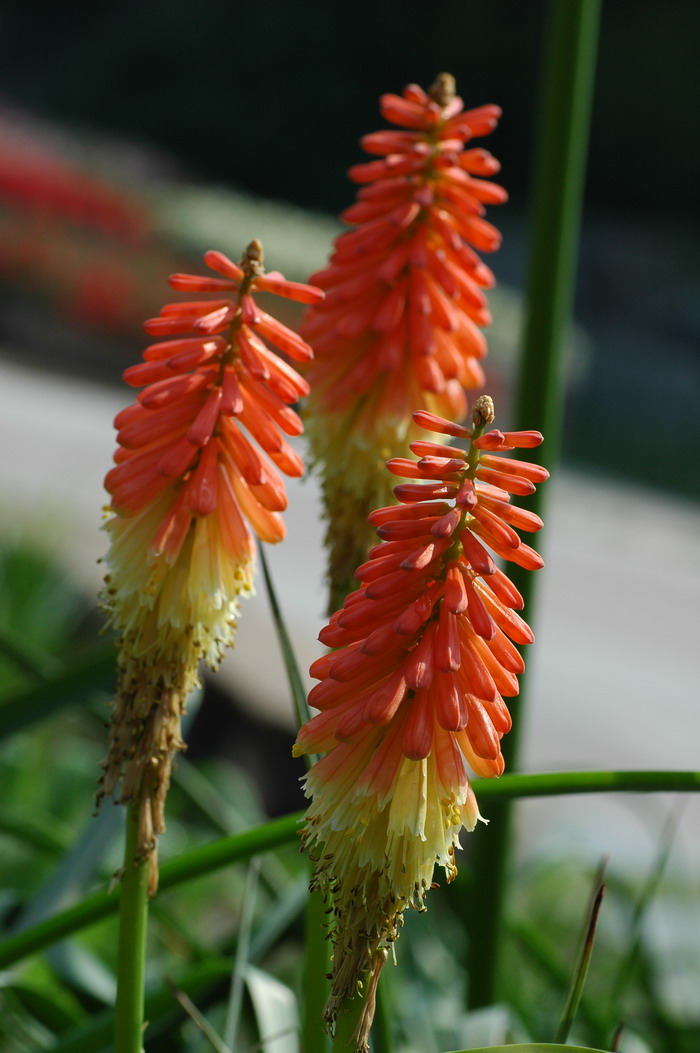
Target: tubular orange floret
{"x":400,"y":328}
{"x":414,"y":693}
{"x":187,"y":480}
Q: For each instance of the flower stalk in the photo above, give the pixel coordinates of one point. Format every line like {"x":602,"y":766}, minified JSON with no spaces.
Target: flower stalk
{"x":568,"y":70}
{"x":131,"y":954}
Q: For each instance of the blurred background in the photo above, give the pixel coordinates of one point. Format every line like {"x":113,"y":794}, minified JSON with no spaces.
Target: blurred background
{"x":135,"y":135}
{"x":129,"y":130}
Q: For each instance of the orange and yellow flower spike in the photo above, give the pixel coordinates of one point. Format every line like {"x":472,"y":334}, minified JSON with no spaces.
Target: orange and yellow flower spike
{"x":195,"y":477}
{"x":400,"y":328}
{"x":412,"y":697}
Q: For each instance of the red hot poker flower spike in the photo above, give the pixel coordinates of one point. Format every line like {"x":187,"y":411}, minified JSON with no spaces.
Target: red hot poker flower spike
{"x":400,"y":327}
{"x":189,"y":483}
{"x":413,"y":694}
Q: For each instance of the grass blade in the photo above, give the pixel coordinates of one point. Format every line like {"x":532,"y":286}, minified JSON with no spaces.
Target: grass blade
{"x":544,"y":954}
{"x":296,"y":684}
{"x":197,"y":1018}
{"x":235,"y":1002}
{"x":579,"y":977}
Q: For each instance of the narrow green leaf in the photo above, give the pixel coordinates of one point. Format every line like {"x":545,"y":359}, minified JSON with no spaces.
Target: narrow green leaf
{"x":581,"y":971}
{"x":542,"y":952}
{"x":552,"y":784}
{"x":302,"y":712}
{"x":235,"y":1001}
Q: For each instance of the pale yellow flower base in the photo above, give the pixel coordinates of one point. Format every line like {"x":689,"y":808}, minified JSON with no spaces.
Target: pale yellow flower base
{"x":171,"y":613}
{"x":376,"y":855}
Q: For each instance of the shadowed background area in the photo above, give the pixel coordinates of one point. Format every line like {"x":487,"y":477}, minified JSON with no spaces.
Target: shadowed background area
{"x":271,"y":100}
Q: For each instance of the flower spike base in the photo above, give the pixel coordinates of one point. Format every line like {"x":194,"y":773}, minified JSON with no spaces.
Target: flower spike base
{"x":413,"y":695}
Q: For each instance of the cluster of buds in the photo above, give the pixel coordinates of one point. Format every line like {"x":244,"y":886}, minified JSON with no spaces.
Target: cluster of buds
{"x":399,"y":329}
{"x":413,"y":692}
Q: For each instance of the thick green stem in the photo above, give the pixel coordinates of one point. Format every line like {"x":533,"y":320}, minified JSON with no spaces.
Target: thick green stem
{"x":131,"y":960}
{"x":560,"y":163}
{"x":382,"y":1038}
{"x":315,"y":986}
{"x":348,"y":1021}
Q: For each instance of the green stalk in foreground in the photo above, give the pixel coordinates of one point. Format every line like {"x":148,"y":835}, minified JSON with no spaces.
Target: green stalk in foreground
{"x":560,"y":163}
{"x":351,"y":1030}
{"x":131,"y":960}
{"x":316,"y":966}
{"x":317,"y":958}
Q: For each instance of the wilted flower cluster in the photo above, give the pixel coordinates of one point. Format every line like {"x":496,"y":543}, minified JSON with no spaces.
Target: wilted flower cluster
{"x":413,"y":694}
{"x":399,"y":329}
{"x":188,"y":485}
